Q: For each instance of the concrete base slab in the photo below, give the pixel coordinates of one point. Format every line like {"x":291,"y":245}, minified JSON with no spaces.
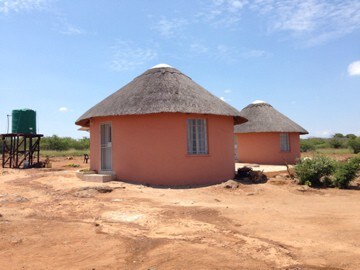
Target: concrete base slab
{"x":94,"y":177}
{"x":262,"y":167}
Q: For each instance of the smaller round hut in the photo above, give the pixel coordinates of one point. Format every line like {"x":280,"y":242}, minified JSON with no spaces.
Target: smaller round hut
{"x":269,"y":137}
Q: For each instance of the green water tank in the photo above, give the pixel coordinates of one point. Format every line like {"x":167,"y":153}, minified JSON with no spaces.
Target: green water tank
{"x":24,"y":121}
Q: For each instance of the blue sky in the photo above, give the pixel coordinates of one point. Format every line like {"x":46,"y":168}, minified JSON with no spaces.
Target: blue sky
{"x":60,"y":57}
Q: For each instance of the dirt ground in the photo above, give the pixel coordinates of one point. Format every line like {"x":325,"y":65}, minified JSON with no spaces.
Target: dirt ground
{"x":49,"y":219}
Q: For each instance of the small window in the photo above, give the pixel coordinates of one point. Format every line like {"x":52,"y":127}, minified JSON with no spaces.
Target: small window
{"x":197,"y":137}
{"x":284,"y":142}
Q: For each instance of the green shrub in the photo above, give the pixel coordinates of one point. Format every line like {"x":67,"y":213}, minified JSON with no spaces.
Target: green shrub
{"x":354,"y":144}
{"x":306,"y":146}
{"x":311,"y":171}
{"x":316,"y":142}
{"x":346,"y":172}
{"x":336,"y":143}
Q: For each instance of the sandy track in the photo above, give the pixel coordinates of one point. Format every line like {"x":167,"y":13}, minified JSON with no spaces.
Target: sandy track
{"x":48,"y":222}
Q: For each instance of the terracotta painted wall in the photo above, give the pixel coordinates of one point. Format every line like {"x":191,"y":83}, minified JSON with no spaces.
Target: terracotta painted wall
{"x":264,"y":148}
{"x":153,"y":149}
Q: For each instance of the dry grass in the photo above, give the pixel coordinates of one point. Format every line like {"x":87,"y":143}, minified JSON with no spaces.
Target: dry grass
{"x":333,"y":151}
{"x":337,"y":154}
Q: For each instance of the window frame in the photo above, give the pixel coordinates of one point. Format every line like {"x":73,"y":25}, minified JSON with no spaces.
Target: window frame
{"x":285,"y":142}
{"x":197,"y":137}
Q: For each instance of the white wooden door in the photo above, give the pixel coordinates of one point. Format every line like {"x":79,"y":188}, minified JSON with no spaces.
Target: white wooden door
{"x":106,"y":147}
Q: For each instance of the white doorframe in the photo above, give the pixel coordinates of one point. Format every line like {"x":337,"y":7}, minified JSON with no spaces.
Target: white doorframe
{"x":106,"y":146}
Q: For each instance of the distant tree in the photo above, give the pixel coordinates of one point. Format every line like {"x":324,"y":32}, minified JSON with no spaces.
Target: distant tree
{"x":338,"y":135}
{"x":354,"y":144}
{"x":82,"y":144}
{"x":55,"y":143}
{"x":350,"y":136}
{"x":64,"y":143}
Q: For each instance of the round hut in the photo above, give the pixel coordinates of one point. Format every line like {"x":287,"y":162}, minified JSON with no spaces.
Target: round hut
{"x":162,"y":129}
{"x":269,"y":137}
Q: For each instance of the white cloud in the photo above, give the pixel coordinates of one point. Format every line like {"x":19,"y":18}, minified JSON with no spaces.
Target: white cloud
{"x":128,"y":56}
{"x":324,"y":133}
{"x":230,"y":54}
{"x":312,"y":21}
{"x":236,"y":4}
{"x":253,"y":53}
{"x":169,"y":27}
{"x":8,"y":6}
{"x":63,"y":109}
{"x":198,"y":48}
{"x":354,"y":68}
{"x":222,"y":98}
{"x":297,"y":16}
{"x":223,"y":13}
{"x":224,"y":52}
{"x":72,"y":30}
{"x":63,"y":26}
{"x":316,"y":21}
{"x":227,"y":91}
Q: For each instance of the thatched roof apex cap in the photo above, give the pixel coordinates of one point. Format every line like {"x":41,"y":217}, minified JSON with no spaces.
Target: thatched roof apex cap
{"x":161,"y":66}
{"x":161,"y":89}
{"x":259,"y":102}
{"x":262,"y":117}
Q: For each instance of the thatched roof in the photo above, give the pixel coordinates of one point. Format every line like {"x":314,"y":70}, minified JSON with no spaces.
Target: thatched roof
{"x":264,"y":118}
{"x":158,"y":90}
